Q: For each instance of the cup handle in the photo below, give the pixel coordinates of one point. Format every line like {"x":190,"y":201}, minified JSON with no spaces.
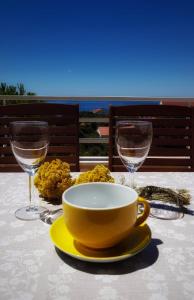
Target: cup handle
{"x":144,"y":215}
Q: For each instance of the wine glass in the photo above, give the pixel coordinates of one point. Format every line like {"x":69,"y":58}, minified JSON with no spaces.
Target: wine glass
{"x":29,"y":143}
{"x":133,"y":141}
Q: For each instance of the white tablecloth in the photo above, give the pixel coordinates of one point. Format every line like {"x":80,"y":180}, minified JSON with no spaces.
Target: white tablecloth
{"x":30,"y":267}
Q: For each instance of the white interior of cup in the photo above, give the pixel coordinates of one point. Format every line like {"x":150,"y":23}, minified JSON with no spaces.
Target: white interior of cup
{"x":99,"y":195}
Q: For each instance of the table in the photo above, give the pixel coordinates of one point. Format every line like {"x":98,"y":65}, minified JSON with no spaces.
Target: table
{"x":31,"y":268}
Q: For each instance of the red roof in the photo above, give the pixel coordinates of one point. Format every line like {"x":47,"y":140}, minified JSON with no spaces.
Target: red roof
{"x":179,"y":103}
{"x":103,"y":131}
{"x":97,"y":110}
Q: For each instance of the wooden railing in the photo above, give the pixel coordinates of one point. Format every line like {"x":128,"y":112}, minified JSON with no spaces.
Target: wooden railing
{"x":87,"y":161}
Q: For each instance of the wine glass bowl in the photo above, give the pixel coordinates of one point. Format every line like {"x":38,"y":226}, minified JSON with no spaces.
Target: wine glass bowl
{"x":133,"y":141}
{"x":29,"y":143}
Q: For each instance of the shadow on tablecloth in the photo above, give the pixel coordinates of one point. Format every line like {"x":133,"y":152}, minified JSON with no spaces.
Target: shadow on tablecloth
{"x":140,"y":261}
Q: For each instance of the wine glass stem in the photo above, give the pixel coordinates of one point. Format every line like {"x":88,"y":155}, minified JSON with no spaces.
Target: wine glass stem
{"x":30,"y":192}
{"x":132,"y":180}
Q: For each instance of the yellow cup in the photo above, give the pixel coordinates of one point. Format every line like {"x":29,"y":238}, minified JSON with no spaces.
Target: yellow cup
{"x":99,"y":215}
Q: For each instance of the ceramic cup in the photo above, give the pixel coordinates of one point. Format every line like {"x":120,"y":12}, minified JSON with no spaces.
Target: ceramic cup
{"x":100,"y":215}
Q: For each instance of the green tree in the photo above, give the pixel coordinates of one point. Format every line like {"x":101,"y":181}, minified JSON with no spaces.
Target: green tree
{"x":19,"y":89}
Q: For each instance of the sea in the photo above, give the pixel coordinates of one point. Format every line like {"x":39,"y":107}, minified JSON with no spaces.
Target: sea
{"x":87,"y":105}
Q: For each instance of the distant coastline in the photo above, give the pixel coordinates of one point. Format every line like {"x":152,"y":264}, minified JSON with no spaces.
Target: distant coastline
{"x":103,"y":105}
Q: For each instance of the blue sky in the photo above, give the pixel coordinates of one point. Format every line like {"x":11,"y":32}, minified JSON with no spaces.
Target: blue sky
{"x":98,"y":48}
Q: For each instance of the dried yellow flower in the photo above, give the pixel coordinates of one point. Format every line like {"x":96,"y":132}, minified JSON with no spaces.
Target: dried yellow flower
{"x":53,"y":178}
{"x":99,"y":174}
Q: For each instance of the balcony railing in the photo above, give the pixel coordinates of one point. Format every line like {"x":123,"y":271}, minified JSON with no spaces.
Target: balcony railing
{"x":88,"y":161}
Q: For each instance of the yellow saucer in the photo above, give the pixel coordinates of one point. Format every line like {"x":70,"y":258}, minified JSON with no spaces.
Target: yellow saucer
{"x":62,"y":239}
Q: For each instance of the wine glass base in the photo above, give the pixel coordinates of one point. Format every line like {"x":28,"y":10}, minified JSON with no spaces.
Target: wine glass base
{"x":49,"y":216}
{"x":29,"y":213}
